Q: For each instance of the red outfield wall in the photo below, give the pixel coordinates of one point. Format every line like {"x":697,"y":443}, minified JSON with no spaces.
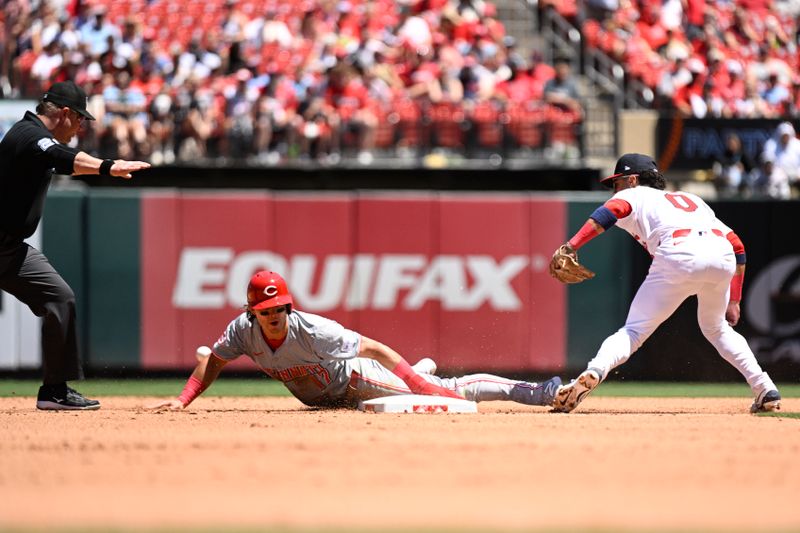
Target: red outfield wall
{"x":462,"y":279}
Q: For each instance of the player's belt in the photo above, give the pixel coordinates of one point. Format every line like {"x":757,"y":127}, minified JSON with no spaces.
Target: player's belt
{"x":686,"y":232}
{"x":351,"y":385}
{"x":350,"y":397}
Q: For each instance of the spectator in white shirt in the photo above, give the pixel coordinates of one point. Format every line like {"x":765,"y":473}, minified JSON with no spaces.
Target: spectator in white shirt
{"x":784,"y":149}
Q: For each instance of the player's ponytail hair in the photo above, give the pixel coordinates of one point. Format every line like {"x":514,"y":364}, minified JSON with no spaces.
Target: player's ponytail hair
{"x":652,"y":178}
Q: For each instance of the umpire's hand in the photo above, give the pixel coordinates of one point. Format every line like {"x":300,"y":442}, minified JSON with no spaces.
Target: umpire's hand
{"x":123,"y":169}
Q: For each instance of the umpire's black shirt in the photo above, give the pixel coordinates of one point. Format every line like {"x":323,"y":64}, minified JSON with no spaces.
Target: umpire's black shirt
{"x":28,"y":156}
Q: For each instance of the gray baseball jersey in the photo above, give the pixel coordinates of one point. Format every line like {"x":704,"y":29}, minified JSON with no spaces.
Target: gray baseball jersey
{"x":318,"y":363}
{"x":315,"y":361}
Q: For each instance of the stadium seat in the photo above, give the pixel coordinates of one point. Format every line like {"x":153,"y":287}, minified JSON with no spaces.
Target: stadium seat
{"x":489,"y":122}
{"x":447,"y":124}
{"x":526,"y":124}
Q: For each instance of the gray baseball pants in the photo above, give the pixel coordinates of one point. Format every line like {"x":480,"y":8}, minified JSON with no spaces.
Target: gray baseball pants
{"x":26,"y":274}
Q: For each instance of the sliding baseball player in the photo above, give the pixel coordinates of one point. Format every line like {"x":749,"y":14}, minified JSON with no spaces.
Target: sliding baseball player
{"x":324,"y":364}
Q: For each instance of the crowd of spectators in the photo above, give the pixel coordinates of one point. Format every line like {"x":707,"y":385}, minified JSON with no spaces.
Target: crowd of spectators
{"x":726,"y":59}
{"x":270,"y":80}
{"x":703,"y":58}
{"x":773,"y":173}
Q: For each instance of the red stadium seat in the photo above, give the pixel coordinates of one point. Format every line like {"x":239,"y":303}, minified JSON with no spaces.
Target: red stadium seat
{"x":489,"y":122}
{"x":446,"y":125}
{"x":388,"y":119}
{"x":562,"y":125}
{"x":526,"y":124}
{"x":409,"y":115}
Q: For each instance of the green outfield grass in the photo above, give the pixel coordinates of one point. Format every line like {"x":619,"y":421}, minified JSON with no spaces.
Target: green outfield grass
{"x":268,"y":387}
{"x":152,"y":387}
{"x":780,"y":414}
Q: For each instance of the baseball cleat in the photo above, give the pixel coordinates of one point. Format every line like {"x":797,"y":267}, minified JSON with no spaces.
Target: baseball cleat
{"x":425,"y":366}
{"x":766,"y":402}
{"x":569,"y":396}
{"x":536,"y":393}
{"x":63,"y":398}
{"x":550,"y":389}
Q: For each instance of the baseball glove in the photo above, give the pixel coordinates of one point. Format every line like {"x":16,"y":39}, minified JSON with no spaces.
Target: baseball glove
{"x":565,"y":268}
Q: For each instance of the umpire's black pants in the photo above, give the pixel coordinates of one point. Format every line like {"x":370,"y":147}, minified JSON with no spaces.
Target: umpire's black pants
{"x":26,"y":274}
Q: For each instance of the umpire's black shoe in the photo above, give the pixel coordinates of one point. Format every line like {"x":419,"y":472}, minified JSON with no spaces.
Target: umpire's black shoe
{"x":63,"y":398}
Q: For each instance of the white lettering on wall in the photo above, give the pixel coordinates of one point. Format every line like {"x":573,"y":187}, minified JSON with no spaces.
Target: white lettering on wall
{"x":212,"y":278}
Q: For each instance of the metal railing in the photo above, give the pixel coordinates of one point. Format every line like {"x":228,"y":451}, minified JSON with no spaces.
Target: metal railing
{"x":561,"y":38}
{"x":604,"y":81}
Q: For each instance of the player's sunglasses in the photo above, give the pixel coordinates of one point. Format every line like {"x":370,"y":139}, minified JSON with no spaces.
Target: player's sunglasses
{"x":609,"y":184}
{"x":273,"y":311}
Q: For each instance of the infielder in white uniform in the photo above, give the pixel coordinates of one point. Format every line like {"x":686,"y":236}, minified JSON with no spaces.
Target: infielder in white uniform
{"x":694,"y":253}
{"x":326,"y":365}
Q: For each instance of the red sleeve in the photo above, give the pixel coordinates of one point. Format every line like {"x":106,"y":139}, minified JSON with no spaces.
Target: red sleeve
{"x":584,"y":235}
{"x":619,"y":207}
{"x":738,"y":245}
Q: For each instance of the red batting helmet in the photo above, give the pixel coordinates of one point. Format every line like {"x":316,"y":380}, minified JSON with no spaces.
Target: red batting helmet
{"x":268,"y":289}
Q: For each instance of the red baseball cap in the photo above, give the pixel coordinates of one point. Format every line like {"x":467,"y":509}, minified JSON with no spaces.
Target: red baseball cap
{"x":267,"y":289}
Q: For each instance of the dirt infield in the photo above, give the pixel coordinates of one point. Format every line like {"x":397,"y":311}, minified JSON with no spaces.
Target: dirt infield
{"x":615,"y":464}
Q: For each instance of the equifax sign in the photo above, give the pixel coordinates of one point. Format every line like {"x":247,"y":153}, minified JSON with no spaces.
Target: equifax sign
{"x":216,"y":277}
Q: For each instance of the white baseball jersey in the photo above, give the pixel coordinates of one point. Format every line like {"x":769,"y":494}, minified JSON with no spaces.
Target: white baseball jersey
{"x":657,"y":215}
{"x":691,"y":257}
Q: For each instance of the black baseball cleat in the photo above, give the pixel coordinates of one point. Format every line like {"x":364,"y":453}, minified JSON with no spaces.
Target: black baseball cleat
{"x":63,"y":398}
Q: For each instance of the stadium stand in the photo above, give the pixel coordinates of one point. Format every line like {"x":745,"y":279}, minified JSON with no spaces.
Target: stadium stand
{"x":267,"y":81}
{"x":720,"y":58}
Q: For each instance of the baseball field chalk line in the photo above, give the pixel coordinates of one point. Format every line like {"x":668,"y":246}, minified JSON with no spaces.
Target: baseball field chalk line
{"x":417,"y":403}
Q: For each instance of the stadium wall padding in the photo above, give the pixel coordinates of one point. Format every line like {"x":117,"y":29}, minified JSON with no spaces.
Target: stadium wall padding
{"x":64,"y":241}
{"x":458,"y":276}
{"x":597,"y":308}
{"x":114,"y":305}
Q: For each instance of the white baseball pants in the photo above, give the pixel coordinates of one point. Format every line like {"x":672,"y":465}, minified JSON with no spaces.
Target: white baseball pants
{"x":704,"y":268}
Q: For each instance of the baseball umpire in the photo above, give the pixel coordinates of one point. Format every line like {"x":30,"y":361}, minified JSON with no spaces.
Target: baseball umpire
{"x":31,"y":151}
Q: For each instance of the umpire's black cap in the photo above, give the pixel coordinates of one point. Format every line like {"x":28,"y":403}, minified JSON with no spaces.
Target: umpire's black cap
{"x":630,"y":164}
{"x":68,"y":94}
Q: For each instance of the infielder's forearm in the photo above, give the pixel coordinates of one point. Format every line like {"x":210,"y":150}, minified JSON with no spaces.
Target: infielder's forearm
{"x":373,"y":349}
{"x":204,"y":374}
{"x":588,"y":231}
{"x":395,"y":362}
{"x":741,"y":261}
{"x":208,"y":369}
{"x":737,"y":282}
{"x":603,"y":218}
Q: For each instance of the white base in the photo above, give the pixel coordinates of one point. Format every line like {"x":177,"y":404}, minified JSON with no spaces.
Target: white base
{"x":416,"y":403}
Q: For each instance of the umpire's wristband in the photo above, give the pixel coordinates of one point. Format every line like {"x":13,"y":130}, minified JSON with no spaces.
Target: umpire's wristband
{"x":105,"y":167}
